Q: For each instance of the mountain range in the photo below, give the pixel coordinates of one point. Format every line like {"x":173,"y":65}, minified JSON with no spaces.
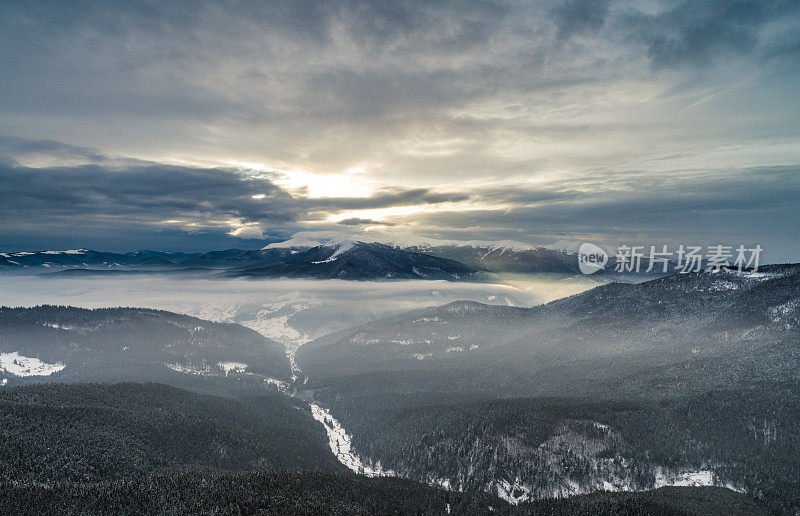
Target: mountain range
{"x":338,"y":258}
{"x":349,"y":260}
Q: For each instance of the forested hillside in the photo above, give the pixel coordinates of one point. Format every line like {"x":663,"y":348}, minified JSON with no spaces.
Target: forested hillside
{"x":323,"y":493}
{"x":747,"y":439}
{"x":94,"y":432}
{"x":134,"y":344}
{"x":679,"y":333}
{"x":688,"y":380}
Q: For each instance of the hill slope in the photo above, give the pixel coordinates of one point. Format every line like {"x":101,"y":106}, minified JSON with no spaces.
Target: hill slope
{"x":681,"y":332}
{"x":688,"y":378}
{"x":92,"y":432}
{"x":67,"y":344}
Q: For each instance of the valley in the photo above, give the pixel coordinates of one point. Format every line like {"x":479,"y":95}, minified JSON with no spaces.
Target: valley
{"x":571,"y":397}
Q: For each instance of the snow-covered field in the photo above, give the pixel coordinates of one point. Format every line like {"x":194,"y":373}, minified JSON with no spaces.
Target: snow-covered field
{"x":19,"y":365}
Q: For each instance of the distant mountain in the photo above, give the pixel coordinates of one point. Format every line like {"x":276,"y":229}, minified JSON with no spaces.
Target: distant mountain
{"x":224,"y":260}
{"x":138,"y":261}
{"x":507,"y":257}
{"x":500,"y":256}
{"x":359,"y":260}
{"x":347,"y":260}
{"x":382,"y":258}
{"x":496,"y":256}
{"x":67,"y":344}
{"x":85,"y":258}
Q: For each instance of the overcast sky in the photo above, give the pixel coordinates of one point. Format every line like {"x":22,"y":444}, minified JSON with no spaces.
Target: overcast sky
{"x":204,"y":125}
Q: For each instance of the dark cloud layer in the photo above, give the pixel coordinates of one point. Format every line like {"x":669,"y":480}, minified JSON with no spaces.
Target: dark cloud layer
{"x":576,"y":16}
{"x":47,"y":201}
{"x":699,"y":32}
{"x":355,"y":221}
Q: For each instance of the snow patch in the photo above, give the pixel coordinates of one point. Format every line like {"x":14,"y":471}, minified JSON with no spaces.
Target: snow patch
{"x":683,"y":478}
{"x":236,"y":367}
{"x":59,"y":327}
{"x":513,"y":493}
{"x":343,"y":248}
{"x":276,"y":328}
{"x":20,"y":365}
{"x":68,"y":251}
{"x":565,"y":246}
{"x":218,"y":312}
{"x":190,"y":369}
{"x":776,"y":313}
{"x":723,"y":285}
{"x":277,"y":383}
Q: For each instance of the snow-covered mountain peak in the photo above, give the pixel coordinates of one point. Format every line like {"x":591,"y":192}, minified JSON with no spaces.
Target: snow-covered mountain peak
{"x":28,"y":253}
{"x":343,"y":240}
{"x":68,"y":251}
{"x":402,"y":240}
{"x":406,"y":241}
{"x":566,"y":246}
{"x":293,"y":243}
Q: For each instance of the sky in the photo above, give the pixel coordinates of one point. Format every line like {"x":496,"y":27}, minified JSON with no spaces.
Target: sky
{"x":207,"y":125}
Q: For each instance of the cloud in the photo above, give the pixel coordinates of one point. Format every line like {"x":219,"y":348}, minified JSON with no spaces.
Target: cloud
{"x":506,"y":119}
{"x":152,"y":204}
{"x":575,"y":16}
{"x":416,"y":90}
{"x":153,"y":197}
{"x":363,"y":222}
{"x":700,"y":32}
{"x":700,"y":207}
{"x":26,"y":148}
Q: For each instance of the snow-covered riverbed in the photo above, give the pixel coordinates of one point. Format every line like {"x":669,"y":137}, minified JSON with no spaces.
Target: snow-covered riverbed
{"x":341,"y":445}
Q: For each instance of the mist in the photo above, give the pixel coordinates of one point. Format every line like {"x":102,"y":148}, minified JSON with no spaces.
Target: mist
{"x":291,"y":311}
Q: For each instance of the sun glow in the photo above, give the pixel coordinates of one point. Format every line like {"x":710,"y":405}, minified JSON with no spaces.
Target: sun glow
{"x":349,"y":184}
{"x":352,"y":182}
